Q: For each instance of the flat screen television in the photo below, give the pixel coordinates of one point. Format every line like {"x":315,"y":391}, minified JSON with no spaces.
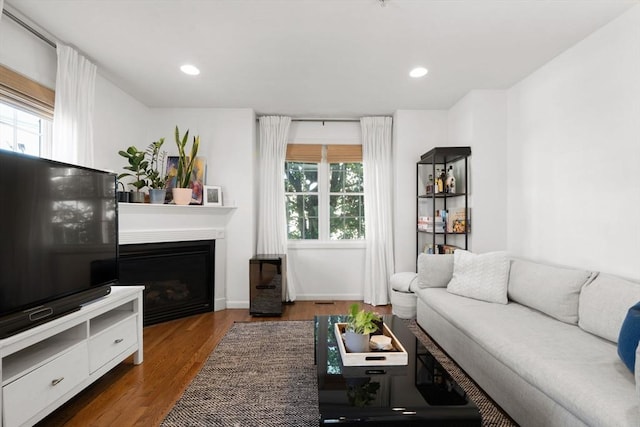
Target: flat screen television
{"x":58,"y":239}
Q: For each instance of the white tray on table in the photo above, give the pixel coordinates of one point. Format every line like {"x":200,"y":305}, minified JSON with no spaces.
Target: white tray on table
{"x":397,"y":356}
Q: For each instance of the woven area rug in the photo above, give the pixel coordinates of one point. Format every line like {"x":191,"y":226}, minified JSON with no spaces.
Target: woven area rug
{"x":263,"y":374}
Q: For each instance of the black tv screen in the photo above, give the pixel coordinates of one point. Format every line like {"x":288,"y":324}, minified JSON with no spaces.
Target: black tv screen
{"x":58,"y":231}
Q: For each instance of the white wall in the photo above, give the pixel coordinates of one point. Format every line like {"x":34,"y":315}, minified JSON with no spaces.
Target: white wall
{"x":26,"y":54}
{"x":227,"y":140}
{"x":119,"y":121}
{"x":574,"y":155}
{"x":414,"y":133}
{"x":479,"y":120}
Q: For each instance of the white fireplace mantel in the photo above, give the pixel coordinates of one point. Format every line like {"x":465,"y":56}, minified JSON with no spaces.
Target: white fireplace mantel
{"x":149,"y":223}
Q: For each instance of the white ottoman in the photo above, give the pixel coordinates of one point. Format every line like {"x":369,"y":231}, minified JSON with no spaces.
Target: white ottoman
{"x":403,"y":300}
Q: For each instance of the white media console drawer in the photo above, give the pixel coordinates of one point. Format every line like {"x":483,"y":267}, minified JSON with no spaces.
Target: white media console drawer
{"x":112,"y":342}
{"x":45,"y":366}
{"x":40,"y":388}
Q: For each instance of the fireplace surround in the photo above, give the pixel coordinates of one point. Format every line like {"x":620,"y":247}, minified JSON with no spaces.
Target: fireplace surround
{"x":144,"y":223}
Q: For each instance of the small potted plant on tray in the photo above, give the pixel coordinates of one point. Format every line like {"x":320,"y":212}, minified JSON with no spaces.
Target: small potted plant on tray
{"x":360,"y":324}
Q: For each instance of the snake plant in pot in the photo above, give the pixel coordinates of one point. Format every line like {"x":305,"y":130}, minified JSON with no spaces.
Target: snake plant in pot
{"x":360,"y":324}
{"x":182,"y":193}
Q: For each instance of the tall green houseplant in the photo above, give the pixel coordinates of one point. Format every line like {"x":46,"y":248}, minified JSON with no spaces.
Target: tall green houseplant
{"x":185,"y":162}
{"x":156,"y":168}
{"x":137,"y":165}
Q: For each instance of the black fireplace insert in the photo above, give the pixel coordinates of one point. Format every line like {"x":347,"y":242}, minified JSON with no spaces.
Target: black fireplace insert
{"x":178,"y":277}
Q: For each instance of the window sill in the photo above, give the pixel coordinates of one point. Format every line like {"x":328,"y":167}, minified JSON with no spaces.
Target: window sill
{"x":326,"y":244}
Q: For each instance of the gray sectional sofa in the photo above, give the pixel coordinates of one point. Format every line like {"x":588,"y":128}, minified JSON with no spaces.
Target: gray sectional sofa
{"x":547,"y":356}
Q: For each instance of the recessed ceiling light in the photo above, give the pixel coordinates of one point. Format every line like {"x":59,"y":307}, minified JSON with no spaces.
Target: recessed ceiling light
{"x":190,"y":69}
{"x":418,"y":72}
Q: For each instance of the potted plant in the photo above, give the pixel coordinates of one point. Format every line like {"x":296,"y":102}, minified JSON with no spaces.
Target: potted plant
{"x":156,"y":172}
{"x":360,"y":324}
{"x":182,"y":192}
{"x":137,"y":168}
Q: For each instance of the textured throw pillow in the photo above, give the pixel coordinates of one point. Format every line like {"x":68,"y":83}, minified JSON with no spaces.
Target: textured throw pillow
{"x":434,"y":271}
{"x":629,"y":337}
{"x":547,"y":288}
{"x":604,"y":303}
{"x":483,"y":277}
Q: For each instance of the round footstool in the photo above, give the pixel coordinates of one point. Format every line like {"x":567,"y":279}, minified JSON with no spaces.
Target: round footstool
{"x":403,"y":301}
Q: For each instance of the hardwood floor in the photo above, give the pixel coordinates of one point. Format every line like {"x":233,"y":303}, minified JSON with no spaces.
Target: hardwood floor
{"x":174,"y":352}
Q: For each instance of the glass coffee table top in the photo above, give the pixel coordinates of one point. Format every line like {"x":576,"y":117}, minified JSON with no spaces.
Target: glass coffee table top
{"x":419,"y":393}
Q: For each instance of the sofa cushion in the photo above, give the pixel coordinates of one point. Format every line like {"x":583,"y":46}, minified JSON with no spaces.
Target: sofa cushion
{"x":402,"y":281}
{"x":482,"y":277}
{"x":552,"y":290}
{"x":630,"y":337}
{"x":604,"y":303}
{"x":434,"y":271}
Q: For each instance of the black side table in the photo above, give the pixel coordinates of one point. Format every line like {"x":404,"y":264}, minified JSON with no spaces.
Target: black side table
{"x":268,"y":278}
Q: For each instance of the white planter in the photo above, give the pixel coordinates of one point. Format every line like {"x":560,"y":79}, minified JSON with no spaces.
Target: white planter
{"x":182,"y":196}
{"x":356,"y":343}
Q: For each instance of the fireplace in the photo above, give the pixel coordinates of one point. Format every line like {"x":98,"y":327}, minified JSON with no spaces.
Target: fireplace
{"x":178,"y":277}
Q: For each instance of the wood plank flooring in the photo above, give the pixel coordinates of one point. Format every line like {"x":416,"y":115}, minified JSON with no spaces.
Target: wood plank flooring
{"x":174,"y":352}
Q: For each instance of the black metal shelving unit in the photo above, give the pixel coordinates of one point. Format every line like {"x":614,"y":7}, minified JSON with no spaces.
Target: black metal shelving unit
{"x":430,"y":203}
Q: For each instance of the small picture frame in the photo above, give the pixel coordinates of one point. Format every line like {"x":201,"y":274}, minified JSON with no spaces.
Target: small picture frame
{"x":212,"y":195}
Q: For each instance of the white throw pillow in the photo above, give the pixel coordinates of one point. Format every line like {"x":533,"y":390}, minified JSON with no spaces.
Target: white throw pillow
{"x":434,"y":271}
{"x":604,"y":303}
{"x":548,"y":288}
{"x":482,"y":277}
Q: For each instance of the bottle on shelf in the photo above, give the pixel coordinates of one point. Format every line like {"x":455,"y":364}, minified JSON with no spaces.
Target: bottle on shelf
{"x":436,"y":183}
{"x":430,"y":184}
{"x":441,"y":181}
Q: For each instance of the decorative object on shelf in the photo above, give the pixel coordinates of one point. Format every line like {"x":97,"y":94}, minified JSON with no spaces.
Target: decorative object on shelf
{"x":182,"y":196}
{"x":186,"y":164}
{"x":212,"y":195}
{"x":138,"y":168}
{"x":450,"y":183}
{"x":197,"y":180}
{"x":123,"y":196}
{"x":156,"y":172}
{"x":360,"y":324}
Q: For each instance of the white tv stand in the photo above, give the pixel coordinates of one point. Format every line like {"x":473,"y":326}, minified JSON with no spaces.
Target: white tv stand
{"x":45,"y":366}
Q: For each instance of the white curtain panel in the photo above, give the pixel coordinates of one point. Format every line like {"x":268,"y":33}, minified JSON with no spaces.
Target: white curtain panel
{"x":73,"y":109}
{"x":1,"y":7}
{"x":378,"y":208}
{"x":272,"y":217}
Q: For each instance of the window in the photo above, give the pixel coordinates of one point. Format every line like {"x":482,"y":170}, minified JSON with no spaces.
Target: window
{"x":324,"y":191}
{"x":22,"y":131}
{"x":26,"y":114}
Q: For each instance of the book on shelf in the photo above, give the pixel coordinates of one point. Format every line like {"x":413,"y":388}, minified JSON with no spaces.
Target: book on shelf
{"x":439,"y":249}
{"x":426,"y":223}
{"x":457,"y":221}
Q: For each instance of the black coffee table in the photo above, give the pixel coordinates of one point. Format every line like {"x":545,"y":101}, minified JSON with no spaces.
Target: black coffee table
{"x":418,"y":394}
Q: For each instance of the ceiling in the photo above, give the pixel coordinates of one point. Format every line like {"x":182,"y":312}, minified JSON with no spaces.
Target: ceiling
{"x":317,"y":58}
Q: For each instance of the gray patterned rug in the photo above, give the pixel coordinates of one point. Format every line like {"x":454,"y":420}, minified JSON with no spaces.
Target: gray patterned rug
{"x":263,"y":374}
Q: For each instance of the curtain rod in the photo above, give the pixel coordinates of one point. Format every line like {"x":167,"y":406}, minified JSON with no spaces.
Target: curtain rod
{"x":28,"y":28}
{"x":293,"y":119}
